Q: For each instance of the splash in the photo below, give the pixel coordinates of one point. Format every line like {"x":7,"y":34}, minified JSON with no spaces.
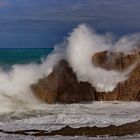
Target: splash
{"x":15,"y":91}
{"x":83,"y":43}
{"x":78,"y":50}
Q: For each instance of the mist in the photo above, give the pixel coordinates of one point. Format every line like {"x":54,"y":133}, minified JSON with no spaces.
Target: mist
{"x":78,"y":48}
{"x":83,"y":43}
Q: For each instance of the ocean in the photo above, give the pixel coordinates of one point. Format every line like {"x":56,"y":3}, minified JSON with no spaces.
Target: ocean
{"x":12,"y":56}
{"x":29,"y":34}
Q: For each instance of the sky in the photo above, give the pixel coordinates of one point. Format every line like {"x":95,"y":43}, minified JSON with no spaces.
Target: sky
{"x":43,"y":23}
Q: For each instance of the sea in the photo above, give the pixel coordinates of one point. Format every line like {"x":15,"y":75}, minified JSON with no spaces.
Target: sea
{"x":20,"y":111}
{"x":11,"y":56}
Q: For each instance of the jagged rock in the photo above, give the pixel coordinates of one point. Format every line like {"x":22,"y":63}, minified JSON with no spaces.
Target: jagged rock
{"x":125,"y":91}
{"x":128,"y":90}
{"x":62,"y":84}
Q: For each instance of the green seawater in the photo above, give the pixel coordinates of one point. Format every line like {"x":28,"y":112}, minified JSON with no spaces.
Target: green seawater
{"x":13,"y":56}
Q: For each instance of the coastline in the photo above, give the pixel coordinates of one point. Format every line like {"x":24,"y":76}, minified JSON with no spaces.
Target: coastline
{"x":112,"y":130}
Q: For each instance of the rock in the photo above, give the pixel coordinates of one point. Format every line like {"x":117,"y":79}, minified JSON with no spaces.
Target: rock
{"x":112,"y":130}
{"x":114,"y":60}
{"x":132,"y":129}
{"x":62,"y":84}
{"x":128,"y":90}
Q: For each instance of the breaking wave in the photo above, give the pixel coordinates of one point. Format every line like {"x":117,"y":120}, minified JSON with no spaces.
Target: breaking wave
{"x":77,"y":49}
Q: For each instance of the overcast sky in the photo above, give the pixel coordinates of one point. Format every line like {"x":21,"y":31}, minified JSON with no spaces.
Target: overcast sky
{"x":39,"y":9}
{"x":70,"y":9}
{"x":42,"y":23}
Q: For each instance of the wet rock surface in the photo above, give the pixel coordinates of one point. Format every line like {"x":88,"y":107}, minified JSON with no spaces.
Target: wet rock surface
{"x":129,"y":90}
{"x":62,"y":86}
{"x":112,"y":130}
{"x":114,"y":60}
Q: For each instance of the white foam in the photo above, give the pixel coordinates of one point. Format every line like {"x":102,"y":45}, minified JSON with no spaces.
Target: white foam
{"x":52,"y":117}
{"x":15,"y":84}
{"x":83,"y":43}
{"x":77,"y":49}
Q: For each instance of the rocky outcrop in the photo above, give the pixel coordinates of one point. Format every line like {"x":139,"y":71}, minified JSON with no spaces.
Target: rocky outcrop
{"x":112,"y":130}
{"x":128,"y":90}
{"x":62,"y":85}
{"x":114,"y":60}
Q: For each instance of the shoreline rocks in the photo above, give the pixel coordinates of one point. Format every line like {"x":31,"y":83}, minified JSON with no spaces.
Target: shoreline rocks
{"x":62,"y":85}
{"x":112,"y":130}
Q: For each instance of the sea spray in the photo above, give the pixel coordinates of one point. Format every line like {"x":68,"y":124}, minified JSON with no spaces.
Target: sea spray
{"x":83,"y":43}
{"x":127,"y":44}
{"x":15,"y":83}
{"x":78,"y":50}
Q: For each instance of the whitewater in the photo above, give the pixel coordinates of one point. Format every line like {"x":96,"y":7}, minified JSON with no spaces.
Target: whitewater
{"x":20,"y":110}
{"x":52,"y":117}
{"x":78,"y":49}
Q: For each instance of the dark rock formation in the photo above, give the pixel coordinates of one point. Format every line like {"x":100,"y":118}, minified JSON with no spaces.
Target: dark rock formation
{"x":114,"y":60}
{"x":128,"y":90}
{"x":62,"y":85}
{"x":112,"y":130}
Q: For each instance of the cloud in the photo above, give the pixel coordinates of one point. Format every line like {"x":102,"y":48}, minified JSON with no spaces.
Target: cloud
{"x":4,"y":3}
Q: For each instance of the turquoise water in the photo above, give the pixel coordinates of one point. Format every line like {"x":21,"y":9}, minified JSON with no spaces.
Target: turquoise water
{"x":11,"y":56}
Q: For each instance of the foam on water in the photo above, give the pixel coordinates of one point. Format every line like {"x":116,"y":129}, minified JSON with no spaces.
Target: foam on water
{"x":52,"y":117}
